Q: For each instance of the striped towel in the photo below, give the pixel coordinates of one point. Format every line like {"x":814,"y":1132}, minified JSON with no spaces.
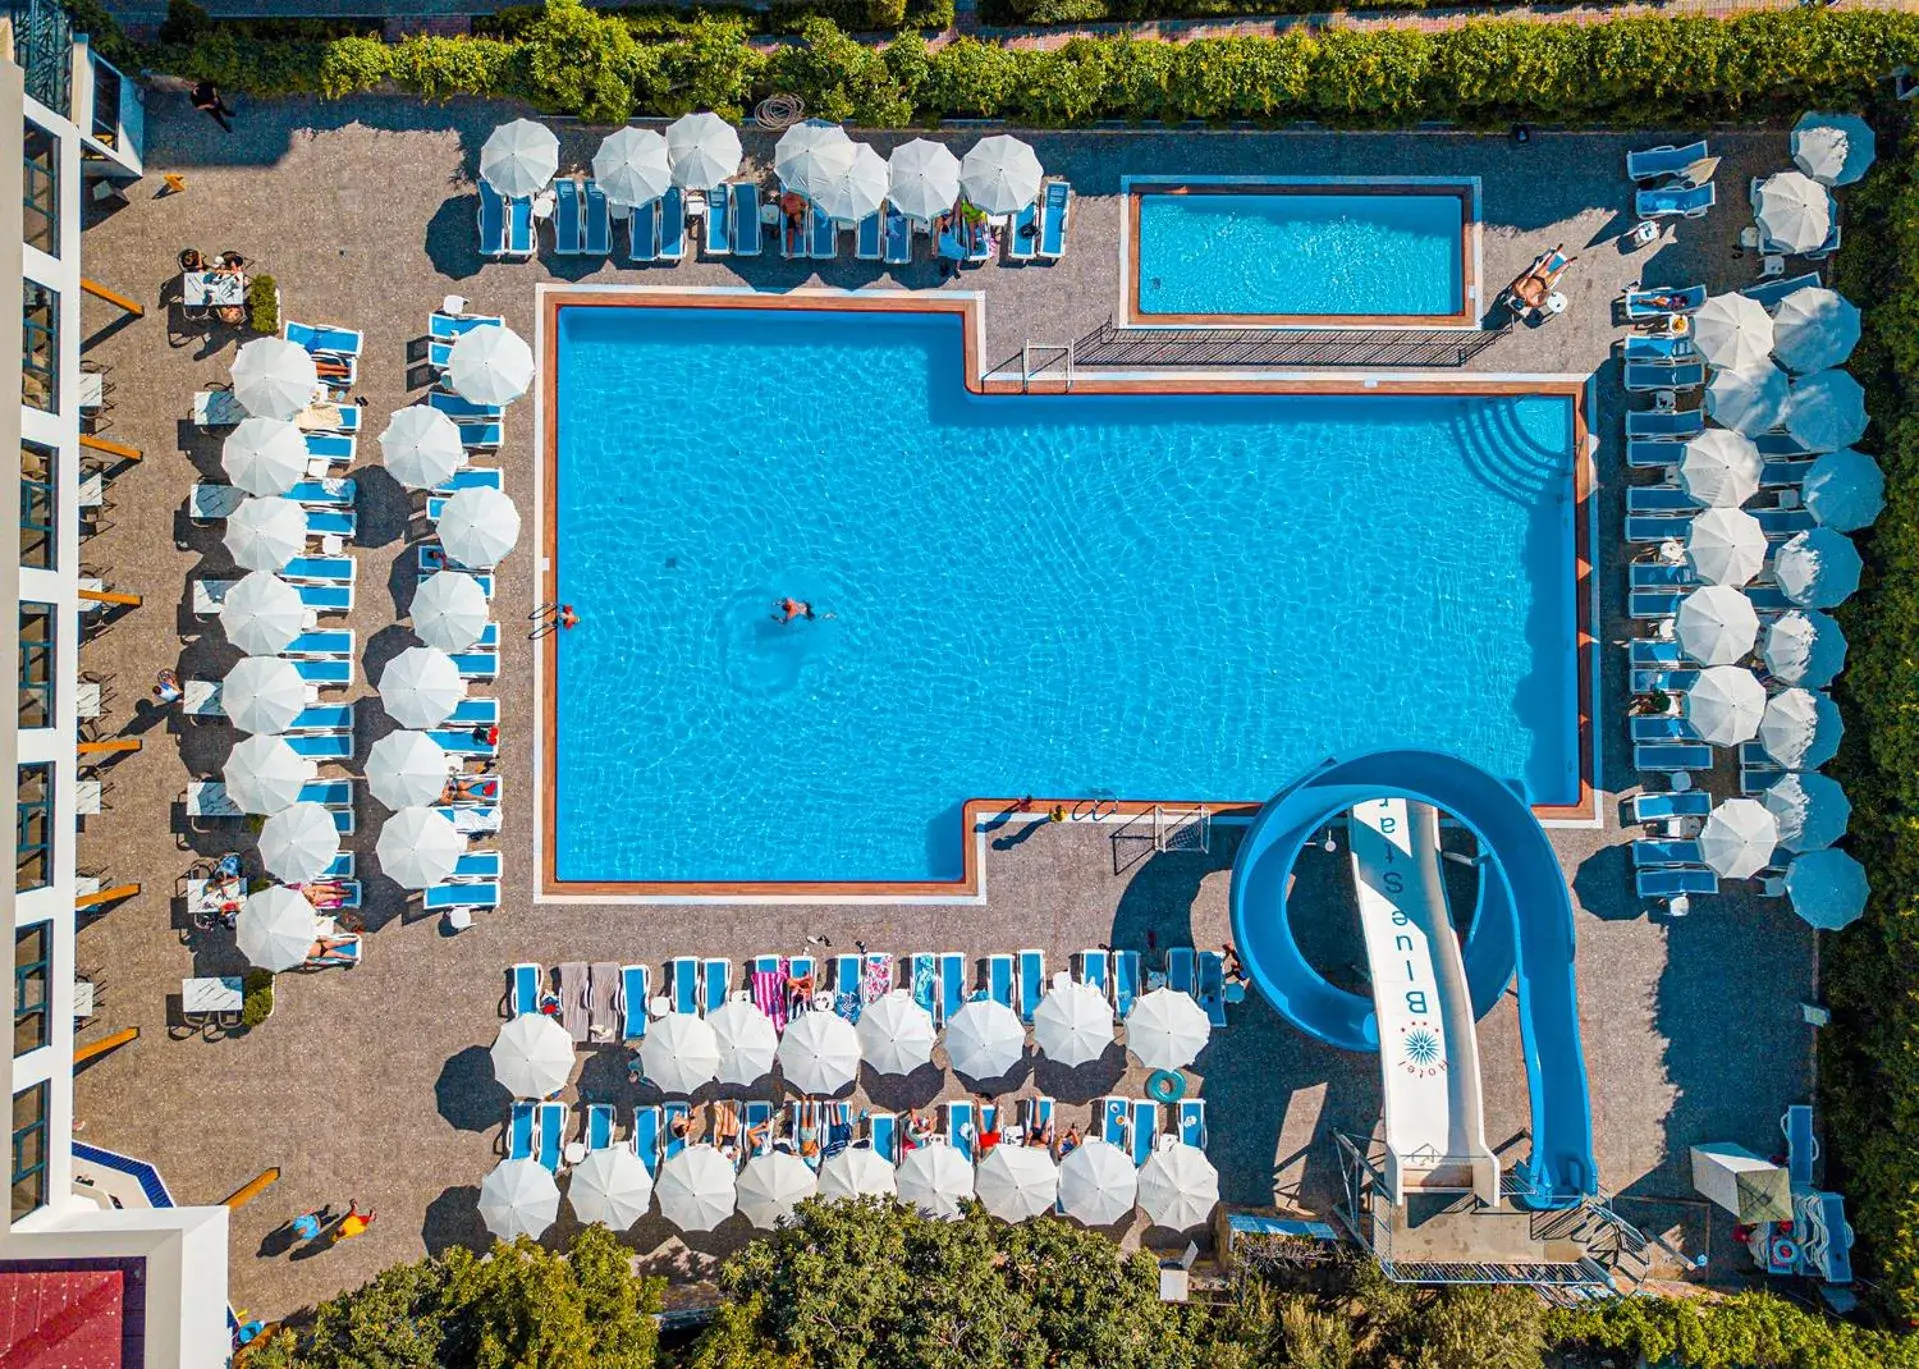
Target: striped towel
{"x":769,"y":993}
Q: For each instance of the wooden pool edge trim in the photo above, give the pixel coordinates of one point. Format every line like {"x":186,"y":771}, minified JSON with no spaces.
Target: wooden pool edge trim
{"x":1467,"y":318}
{"x":969,"y":307}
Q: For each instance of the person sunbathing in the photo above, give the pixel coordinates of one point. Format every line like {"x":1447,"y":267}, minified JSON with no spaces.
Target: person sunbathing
{"x":471,"y":789}
{"x":327,"y":950}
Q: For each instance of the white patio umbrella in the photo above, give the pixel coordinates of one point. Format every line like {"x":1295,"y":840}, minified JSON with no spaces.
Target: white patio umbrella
{"x":1812,"y":810}
{"x":264,"y":455}
{"x":936,"y":1179}
{"x":1793,"y":211}
{"x":680,"y":1053}
{"x":299,"y":842}
{"x":772,"y":1185}
{"x":421,"y":687}
{"x":1833,"y":149}
{"x":264,"y":774}
{"x":1073,"y":1024}
{"x":1167,"y":1029}
{"x":263,"y":694}
{"x":1845,"y":490}
{"x":421,"y":447}
{"x":1827,"y":411}
{"x":265,"y":533}
{"x":1000,"y":174}
{"x":1752,"y":399}
{"x":746,"y":1040}
{"x":924,"y":178}
{"x":275,"y":929}
{"x":611,"y":1187}
{"x":632,"y":166}
{"x":1724,"y":705}
{"x":896,"y":1034}
{"x":850,"y":193}
{"x":809,"y":154}
{"x":407,"y":768}
{"x":450,"y":610}
{"x":703,"y":150}
{"x":1818,"y":569}
{"x":519,"y":158}
{"x":695,"y":1189}
{"x":262,"y":614}
{"x":820,"y":1053}
{"x":490,"y":364}
{"x":1805,"y":647}
{"x":479,"y":526}
{"x":984,"y":1039}
{"x":1178,"y":1187}
{"x":418,"y":847}
{"x":1720,"y":468}
{"x":533,"y":1056}
{"x":274,"y":378}
{"x":857,"y":1172}
{"x":1098,"y":1184}
{"x":1814,"y":328}
{"x":1738,"y":838}
{"x":1716,"y":625}
{"x":519,"y":1198}
{"x":1732,"y":331}
{"x":1017,"y":1182}
{"x":1801,"y":728}
{"x":1828,"y":888}
{"x":1725,"y":546}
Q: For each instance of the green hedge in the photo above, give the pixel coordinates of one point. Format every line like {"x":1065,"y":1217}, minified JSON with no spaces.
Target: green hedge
{"x":1747,"y":1331}
{"x":1017,"y":13}
{"x":667,"y":21}
{"x":1635,"y":71}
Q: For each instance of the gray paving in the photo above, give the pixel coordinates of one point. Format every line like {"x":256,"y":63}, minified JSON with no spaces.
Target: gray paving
{"x":374,"y":1083}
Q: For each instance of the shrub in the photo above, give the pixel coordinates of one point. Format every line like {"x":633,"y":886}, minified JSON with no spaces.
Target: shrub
{"x":256,"y":1002}
{"x":577,"y":61}
{"x":838,"y":78}
{"x":1746,"y":1331}
{"x":668,"y":21}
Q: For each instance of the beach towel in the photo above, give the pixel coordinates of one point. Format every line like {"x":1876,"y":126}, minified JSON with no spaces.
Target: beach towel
{"x":604,"y":1022}
{"x":573,"y":1002}
{"x":879,"y":977}
{"x":769,"y":995}
{"x":926,"y":982}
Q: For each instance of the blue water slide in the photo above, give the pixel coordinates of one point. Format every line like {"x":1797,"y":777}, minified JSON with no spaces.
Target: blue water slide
{"x":1524,"y":922}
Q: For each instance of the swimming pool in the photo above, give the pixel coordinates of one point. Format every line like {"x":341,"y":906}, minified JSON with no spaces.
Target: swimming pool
{"x":1150,"y":596}
{"x":1303,"y":254}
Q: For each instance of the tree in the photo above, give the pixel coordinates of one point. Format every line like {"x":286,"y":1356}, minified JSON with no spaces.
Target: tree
{"x":580,"y":62}
{"x":394,"y":1322}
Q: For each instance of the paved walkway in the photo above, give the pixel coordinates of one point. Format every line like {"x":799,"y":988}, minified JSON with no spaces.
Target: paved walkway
{"x":374,"y":1083}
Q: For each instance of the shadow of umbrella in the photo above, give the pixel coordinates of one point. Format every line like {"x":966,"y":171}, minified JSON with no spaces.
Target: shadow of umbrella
{"x":466,"y":1093}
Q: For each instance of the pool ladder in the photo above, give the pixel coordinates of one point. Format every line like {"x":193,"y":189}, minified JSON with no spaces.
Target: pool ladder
{"x":1048,"y":354}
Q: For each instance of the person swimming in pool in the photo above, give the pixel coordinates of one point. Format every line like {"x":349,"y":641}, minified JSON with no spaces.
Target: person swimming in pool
{"x":789,"y":608}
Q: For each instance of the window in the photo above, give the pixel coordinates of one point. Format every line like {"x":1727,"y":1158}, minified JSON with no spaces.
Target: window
{"x":39,"y":535}
{"x":36,"y":665}
{"x":40,"y":346}
{"x":32,"y":953}
{"x":33,"y":828}
{"x":40,"y":224}
{"x":29,"y":1150}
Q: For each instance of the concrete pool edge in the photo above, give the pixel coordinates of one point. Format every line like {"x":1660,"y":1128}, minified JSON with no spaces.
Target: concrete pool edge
{"x":977,"y":811}
{"x":1465,"y":188}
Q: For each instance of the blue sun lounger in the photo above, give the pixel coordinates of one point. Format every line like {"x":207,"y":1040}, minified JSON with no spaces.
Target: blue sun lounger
{"x":1649,"y":854}
{"x":326,"y":570}
{"x":822,"y":236}
{"x":922,"y":979}
{"x":552,"y":1133}
{"x":1672,"y":426}
{"x":444,"y":327}
{"x":463,"y":411}
{"x":1676,"y":202}
{"x":635,"y":988}
{"x":1642,"y":306}
{"x":643,"y":233}
{"x":1657,"y":527}
{"x":716,"y":240}
{"x":896,"y":246}
{"x":599,"y":1126}
{"x":477,"y":867}
{"x":1673,"y":880}
{"x":1644,"y":454}
{"x":326,"y":492}
{"x":999,"y":979}
{"x":1110,"y":1116}
{"x":328,"y":672}
{"x":882,"y":1134}
{"x":1664,"y":807}
{"x":673,"y":224}
{"x":1182,"y":970}
{"x":1785,"y":474}
{"x":341,"y":868}
{"x":1126,"y":982}
{"x":1664,"y":681}
{"x":328,"y":641}
{"x":519,"y":227}
{"x":599,"y":222}
{"x":492,"y":222}
{"x":1055,"y":206}
{"x":1802,"y":1148}
{"x":952,"y":984}
{"x":1640,"y":348}
{"x":1191,"y":1117}
{"x":716,"y":981}
{"x":849,"y":983}
{"x":440,"y":898}
{"x":867,"y":236}
{"x":322,"y":746}
{"x":671,"y":1112}
{"x":1666,"y":727}
{"x":568,"y":227}
{"x":1667,"y":160}
{"x":1095,"y":969}
{"x":477,"y":664}
{"x":1212,"y":987}
{"x":755,"y":1114}
{"x":1660,"y":575}
{"x":1038,"y":1114}
{"x":323,"y":718}
{"x":460,"y":741}
{"x":961,"y":1126}
{"x":1779,"y":524}
{"x":647,"y":1126}
{"x":683,"y":983}
{"x":1772,"y":293}
{"x":1032,"y":983}
{"x":1645,"y":604}
{"x":523,"y":989}
{"x":1143,"y":1134}
{"x":473,"y":711}
{"x":336,"y":449}
{"x":341,"y":342}
{"x":1022,"y":240}
{"x":746,"y":219}
{"x":473,"y":478}
{"x":1643,"y":377}
{"x":1668,"y":757}
{"x":522,"y":1124}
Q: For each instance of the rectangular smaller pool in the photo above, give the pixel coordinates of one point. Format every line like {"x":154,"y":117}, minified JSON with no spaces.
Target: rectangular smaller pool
{"x":1279,"y":253}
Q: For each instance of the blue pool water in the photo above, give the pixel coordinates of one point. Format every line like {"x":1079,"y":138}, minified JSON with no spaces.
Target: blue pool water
{"x":1170,"y":597}
{"x":1252,"y":254}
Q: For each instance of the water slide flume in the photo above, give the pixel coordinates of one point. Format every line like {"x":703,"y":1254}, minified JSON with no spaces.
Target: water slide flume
{"x":1531,"y":933}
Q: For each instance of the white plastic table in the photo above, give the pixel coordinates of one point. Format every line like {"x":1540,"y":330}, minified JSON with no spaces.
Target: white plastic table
{"x":213,"y":289}
{"x":211,"y":994}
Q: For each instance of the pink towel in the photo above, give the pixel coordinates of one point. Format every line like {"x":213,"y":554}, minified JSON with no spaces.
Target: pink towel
{"x":769,"y":993}
{"x":879,"y":977}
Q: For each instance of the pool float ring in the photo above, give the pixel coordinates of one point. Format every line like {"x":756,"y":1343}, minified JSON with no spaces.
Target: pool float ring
{"x":1785,"y":1251}
{"x":1166,"y":1086}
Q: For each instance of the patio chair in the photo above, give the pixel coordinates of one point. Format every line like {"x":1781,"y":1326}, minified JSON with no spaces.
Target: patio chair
{"x":1671,"y":426}
{"x":643,"y":233}
{"x":1032,"y":983}
{"x":1055,"y":206}
{"x":868,"y":236}
{"x":1676,"y":202}
{"x":746,"y":219}
{"x":960,"y":1123}
{"x":1095,"y":968}
{"x":716,"y":981}
{"x":1666,"y":807}
{"x":952,"y":984}
{"x":599,"y":1127}
{"x":999,"y":979}
{"x":1649,"y":853}
{"x":522,"y":1127}
{"x":1190,"y":1115}
{"x":636,"y":989}
{"x":599,"y":222}
{"x":1022,"y":240}
{"x":552,"y":1134}
{"x":1665,"y":160}
{"x":849,"y":981}
{"x":648,"y":1125}
{"x":1126,"y":982}
{"x":673,"y":224}
{"x":604,"y":1021}
{"x":568,"y":226}
{"x":1675,"y":881}
{"x":492,"y":222}
{"x":896,"y":238}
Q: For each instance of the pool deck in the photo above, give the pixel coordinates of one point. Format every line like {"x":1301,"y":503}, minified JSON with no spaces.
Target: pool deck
{"x":375,"y":1083}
